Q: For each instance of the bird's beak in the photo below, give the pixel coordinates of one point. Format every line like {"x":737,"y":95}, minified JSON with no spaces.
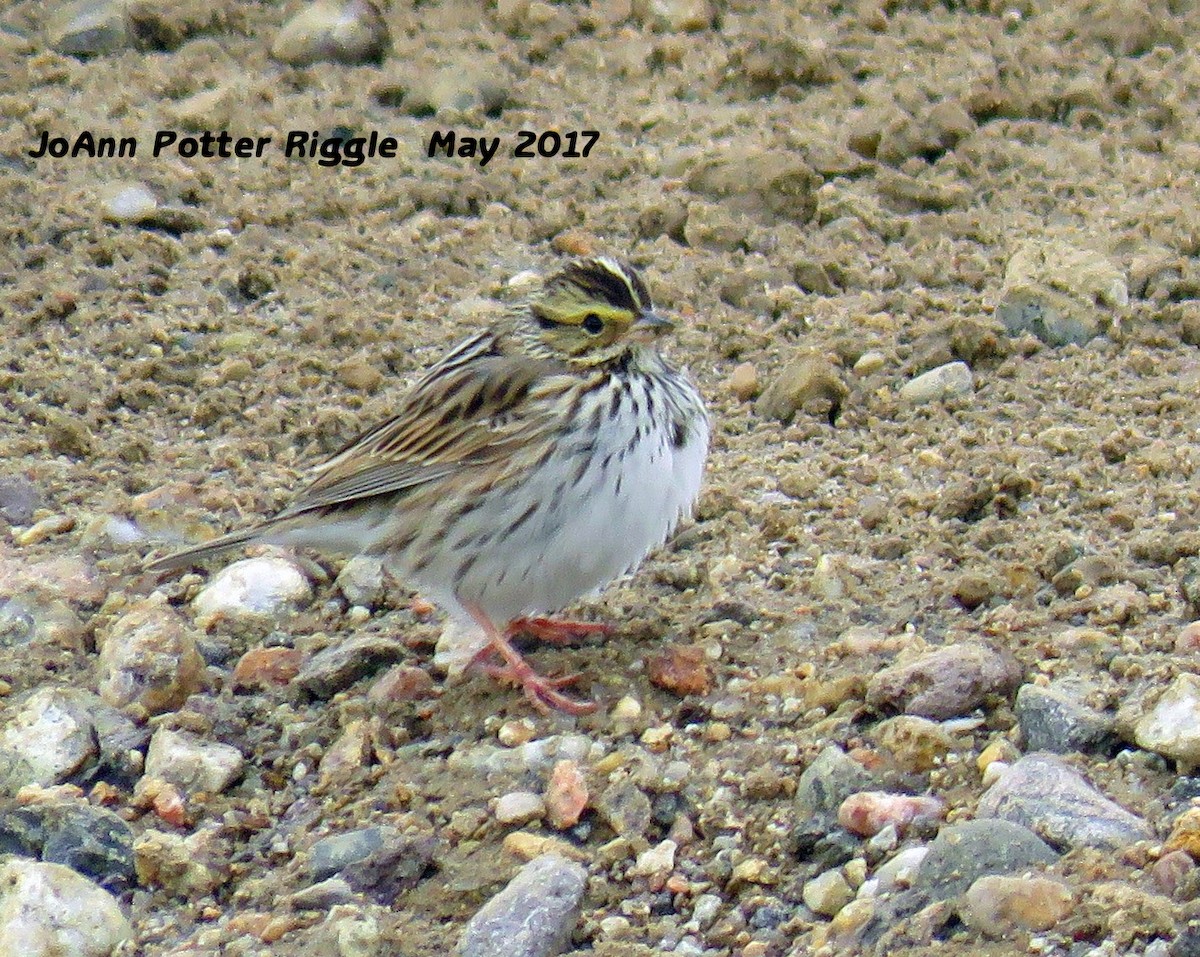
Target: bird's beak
{"x":651,"y":324}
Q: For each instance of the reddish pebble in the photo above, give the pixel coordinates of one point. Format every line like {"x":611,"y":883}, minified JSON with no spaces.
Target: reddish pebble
{"x":680,"y":669}
{"x":402,"y":683}
{"x":266,"y":667}
{"x":869,"y":812}
{"x":420,"y":607}
{"x":169,"y":805}
{"x":1188,"y":640}
{"x":566,"y":795}
{"x":1170,"y":870}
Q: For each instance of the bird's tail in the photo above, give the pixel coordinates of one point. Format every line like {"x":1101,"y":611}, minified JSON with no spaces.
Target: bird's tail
{"x":195,"y":553}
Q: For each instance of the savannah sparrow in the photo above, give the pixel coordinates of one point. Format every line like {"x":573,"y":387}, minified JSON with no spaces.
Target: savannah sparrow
{"x":536,"y":462}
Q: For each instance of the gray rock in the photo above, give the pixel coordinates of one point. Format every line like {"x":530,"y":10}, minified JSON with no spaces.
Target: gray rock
{"x":1061,"y":293}
{"x":339,"y":666}
{"x":88,"y":28}
{"x":1053,"y":719}
{"x":90,"y":840}
{"x":19,"y":499}
{"x":964,"y":852}
{"x":361,"y":581}
{"x":48,"y":909}
{"x":51,"y":737}
{"x":950,"y":381}
{"x":397,"y":866}
{"x":1052,"y":799}
{"x":331,"y":854}
{"x":822,"y":788}
{"x":338,"y":31}
{"x":192,"y":763}
{"x":945,"y":682}
{"x":625,"y":808}
{"x":533,"y":916}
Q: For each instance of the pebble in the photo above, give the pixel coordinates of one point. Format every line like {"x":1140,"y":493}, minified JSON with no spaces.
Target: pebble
{"x":149,"y":660}
{"x":827,"y":893}
{"x":186,"y":867}
{"x":262,"y":668}
{"x":470,"y":85}
{"x":19,"y":500}
{"x":1001,"y":906}
{"x":330,"y":855}
{"x":254,"y":588}
{"x":1045,"y":794}
{"x":1170,"y":870}
{"x":566,"y":795}
{"x":743,"y":381}
{"x":950,"y":381}
{"x":527,"y":847}
{"x":191,"y":763}
{"x":680,"y":669}
{"x":402,"y":683}
{"x":811,"y":383}
{"x":128,"y":202}
{"x":913,"y":743}
{"x":1061,"y":293}
{"x":88,"y":28}
{"x":50,"y":737}
{"x":820,"y":791}
{"x":1185,"y":833}
{"x":396,"y":866}
{"x":533,"y":916}
{"x":43,"y":529}
{"x":1054,"y":719}
{"x":967,"y":850}
{"x":869,"y":812}
{"x":674,"y":15}
{"x":1172,"y":726}
{"x":339,"y":31}
{"x":945,"y":682}
{"x":40,"y":621}
{"x":48,"y":910}
{"x":625,"y":808}
{"x":361,"y":581}
{"x":518,"y":808}
{"x":337,"y":667}
{"x":870,"y":362}
{"x":93,"y":841}
{"x":349,"y":753}
{"x":901,"y":869}
{"x":656,"y":860}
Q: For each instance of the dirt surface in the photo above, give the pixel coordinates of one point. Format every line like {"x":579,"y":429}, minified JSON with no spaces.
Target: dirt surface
{"x":797,"y":182}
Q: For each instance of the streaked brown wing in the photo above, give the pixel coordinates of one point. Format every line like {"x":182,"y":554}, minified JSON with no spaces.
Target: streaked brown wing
{"x":471,"y":410}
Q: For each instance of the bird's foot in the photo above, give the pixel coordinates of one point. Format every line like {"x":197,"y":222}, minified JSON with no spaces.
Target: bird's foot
{"x":558,"y":631}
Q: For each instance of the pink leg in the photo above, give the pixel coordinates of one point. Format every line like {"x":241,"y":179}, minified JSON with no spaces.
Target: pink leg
{"x":542,"y":692}
{"x":557,"y":631}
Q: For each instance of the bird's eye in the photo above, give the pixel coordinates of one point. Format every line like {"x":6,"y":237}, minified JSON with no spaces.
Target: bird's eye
{"x":593,"y":324}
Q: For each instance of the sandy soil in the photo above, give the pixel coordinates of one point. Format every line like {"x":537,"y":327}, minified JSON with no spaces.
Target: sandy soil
{"x":794,"y":179}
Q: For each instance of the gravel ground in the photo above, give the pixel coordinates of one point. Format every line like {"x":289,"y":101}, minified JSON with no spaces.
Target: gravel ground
{"x":900,"y":598}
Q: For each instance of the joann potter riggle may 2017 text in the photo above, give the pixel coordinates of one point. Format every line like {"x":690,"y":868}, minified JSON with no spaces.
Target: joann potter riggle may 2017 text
{"x":326,"y":151}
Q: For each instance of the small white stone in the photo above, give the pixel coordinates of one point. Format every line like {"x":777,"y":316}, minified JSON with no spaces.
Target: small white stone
{"x":128,"y":202}
{"x":361,"y":581}
{"x":49,"y":738}
{"x":252,"y":588}
{"x":949,"y":381}
{"x":339,"y":31}
{"x":900,"y":870}
{"x":659,"y":859}
{"x":1172,"y":727}
{"x":519,"y":807}
{"x":192,"y":763}
{"x":48,"y":910}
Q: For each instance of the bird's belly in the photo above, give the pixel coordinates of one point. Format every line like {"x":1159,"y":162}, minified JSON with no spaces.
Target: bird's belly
{"x":566,"y":530}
